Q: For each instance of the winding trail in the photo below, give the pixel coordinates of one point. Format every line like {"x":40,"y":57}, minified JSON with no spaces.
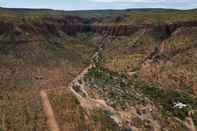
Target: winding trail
{"x":51,"y":121}
{"x":89,"y":103}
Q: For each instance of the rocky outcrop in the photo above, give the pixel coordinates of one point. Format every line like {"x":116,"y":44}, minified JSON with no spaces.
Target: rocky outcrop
{"x":71,"y":25}
{"x":165,"y":30}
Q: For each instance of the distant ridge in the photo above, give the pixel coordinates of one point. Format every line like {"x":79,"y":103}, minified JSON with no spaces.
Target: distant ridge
{"x":129,"y":9}
{"x":25,"y":9}
{"x":152,"y":9}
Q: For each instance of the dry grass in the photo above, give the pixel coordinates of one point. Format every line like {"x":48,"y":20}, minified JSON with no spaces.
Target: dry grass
{"x":69,"y":114}
{"x":21,"y":110}
{"x":174,"y":66}
{"x":123,"y":63}
{"x":25,"y":68}
{"x":72,"y":117}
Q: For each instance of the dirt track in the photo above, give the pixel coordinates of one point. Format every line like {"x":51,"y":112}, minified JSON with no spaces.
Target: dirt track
{"x":51,"y":121}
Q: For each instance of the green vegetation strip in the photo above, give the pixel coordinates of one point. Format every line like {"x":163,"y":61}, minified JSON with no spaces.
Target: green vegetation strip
{"x":167,"y":98}
{"x":114,"y":88}
{"x":121,"y":93}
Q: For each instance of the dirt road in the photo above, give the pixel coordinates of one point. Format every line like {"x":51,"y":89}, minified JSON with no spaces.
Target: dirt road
{"x":51,"y":121}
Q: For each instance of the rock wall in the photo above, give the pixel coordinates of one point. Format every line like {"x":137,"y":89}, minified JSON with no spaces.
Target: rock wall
{"x":72,"y":25}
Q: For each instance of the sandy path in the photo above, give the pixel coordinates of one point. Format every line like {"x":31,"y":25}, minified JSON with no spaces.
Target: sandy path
{"x":51,"y":121}
{"x":90,"y":103}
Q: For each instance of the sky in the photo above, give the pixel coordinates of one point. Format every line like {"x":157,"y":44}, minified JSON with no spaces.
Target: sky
{"x":98,"y":4}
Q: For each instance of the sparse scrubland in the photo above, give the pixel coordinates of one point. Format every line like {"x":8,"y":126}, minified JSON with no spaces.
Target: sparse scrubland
{"x":146,"y":67}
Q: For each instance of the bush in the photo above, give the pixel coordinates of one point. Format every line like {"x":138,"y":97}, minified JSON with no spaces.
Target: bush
{"x":107,"y":123}
{"x":194,"y":116}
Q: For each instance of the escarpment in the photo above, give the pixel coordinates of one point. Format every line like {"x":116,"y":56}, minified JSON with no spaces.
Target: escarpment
{"x":71,"y":25}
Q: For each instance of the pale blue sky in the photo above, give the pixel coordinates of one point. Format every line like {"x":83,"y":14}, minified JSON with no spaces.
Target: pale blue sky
{"x":98,"y":4}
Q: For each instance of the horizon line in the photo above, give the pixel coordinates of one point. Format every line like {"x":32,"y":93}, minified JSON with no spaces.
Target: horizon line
{"x":101,"y":9}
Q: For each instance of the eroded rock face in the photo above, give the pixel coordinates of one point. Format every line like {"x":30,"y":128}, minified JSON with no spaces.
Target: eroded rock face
{"x":165,"y":30}
{"x":71,"y":25}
